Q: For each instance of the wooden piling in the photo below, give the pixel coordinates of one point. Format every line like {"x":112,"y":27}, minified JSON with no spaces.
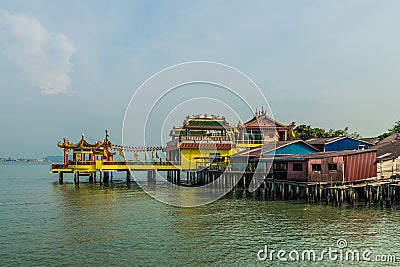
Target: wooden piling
{"x":128,"y":176}
{"x":106,"y":177}
{"x":76,"y":178}
{"x":60,"y":178}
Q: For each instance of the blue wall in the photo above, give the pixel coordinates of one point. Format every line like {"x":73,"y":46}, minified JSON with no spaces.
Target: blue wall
{"x":293,"y":149}
{"x":344,"y":144}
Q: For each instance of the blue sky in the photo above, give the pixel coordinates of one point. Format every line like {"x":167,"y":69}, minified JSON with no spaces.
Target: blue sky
{"x":71,"y":67}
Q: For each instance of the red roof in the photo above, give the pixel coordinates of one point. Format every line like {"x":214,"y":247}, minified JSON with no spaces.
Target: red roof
{"x":205,"y":145}
{"x":264,"y":121}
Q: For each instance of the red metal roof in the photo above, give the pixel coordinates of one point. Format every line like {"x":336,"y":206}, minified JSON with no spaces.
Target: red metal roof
{"x":264,"y":121}
{"x":205,"y":145}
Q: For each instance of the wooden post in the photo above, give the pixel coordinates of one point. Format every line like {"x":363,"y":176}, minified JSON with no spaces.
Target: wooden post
{"x":341,"y":197}
{"x":272,"y":190}
{"x":128,"y":176}
{"x":178,"y":177}
{"x":106,"y":177}
{"x":76,"y":178}
{"x":151,"y":176}
{"x":320,"y":193}
{"x":307,"y":194}
{"x":60,"y":178}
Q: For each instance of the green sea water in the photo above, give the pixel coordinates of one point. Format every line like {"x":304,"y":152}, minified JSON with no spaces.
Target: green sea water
{"x":43,"y":223}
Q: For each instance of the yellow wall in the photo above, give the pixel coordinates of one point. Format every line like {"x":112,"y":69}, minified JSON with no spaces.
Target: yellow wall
{"x":187,"y":156}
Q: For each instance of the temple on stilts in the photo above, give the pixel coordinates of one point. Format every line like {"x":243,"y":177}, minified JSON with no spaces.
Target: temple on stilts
{"x":209,"y":150}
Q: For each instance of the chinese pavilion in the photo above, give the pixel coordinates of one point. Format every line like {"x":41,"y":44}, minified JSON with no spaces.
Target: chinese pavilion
{"x":84,"y":152}
{"x":263,"y":129}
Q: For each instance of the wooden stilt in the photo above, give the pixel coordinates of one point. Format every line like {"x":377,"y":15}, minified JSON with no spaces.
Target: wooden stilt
{"x":76,"y":178}
{"x":128,"y":176}
{"x":106,"y":177}
{"x":60,"y":178}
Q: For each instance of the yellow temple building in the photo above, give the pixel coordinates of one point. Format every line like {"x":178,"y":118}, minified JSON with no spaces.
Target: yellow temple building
{"x":202,"y":140}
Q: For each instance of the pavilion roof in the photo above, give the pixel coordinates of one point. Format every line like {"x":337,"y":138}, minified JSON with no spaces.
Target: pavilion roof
{"x":85,"y":145}
{"x":206,"y":123}
{"x":196,"y":124}
{"x":262,"y":120}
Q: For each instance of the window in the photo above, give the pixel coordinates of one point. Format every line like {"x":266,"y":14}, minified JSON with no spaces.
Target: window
{"x":332,"y":166}
{"x":297,"y":167}
{"x":215,"y":155}
{"x":280,"y":166}
{"x":316,"y":167}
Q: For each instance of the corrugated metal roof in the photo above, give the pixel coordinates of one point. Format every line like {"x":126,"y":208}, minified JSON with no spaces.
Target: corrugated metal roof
{"x":388,"y":148}
{"x":324,"y":141}
{"x":328,"y":140}
{"x":269,"y":147}
{"x":321,"y":155}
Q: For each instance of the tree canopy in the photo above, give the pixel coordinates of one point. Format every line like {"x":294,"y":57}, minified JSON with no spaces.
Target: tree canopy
{"x":306,"y":132}
{"x":393,"y":130}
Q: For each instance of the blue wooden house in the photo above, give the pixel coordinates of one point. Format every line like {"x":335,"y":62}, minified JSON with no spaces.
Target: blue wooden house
{"x":338,"y":143}
{"x":280,"y":148}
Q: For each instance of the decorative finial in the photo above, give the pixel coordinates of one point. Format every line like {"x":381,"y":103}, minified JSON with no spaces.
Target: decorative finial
{"x":106,"y":135}
{"x":262,"y":110}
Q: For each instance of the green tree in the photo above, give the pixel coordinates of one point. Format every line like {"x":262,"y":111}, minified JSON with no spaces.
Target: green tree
{"x":306,"y":132}
{"x":395,"y":128}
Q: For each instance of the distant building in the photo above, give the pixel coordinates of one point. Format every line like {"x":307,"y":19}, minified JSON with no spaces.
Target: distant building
{"x":338,"y":143}
{"x":202,"y":140}
{"x":262,"y":128}
{"x":252,"y":156}
{"x":339,"y":167}
{"x":388,"y":156}
{"x":84,"y":152}
{"x":371,"y":140}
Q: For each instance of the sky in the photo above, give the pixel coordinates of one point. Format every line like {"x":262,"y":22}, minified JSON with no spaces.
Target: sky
{"x":71,"y":67}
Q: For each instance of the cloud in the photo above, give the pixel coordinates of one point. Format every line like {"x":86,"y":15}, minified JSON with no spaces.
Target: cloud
{"x":43,"y":57}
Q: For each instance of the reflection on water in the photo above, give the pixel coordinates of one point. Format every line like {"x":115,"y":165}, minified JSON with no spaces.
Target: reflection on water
{"x":45,"y":223}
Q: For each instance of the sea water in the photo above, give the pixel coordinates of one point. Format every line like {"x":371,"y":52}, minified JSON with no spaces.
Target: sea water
{"x":43,"y":223}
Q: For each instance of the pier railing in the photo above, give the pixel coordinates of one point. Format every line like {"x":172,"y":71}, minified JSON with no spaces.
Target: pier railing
{"x":128,"y":162}
{"x":212,"y":139}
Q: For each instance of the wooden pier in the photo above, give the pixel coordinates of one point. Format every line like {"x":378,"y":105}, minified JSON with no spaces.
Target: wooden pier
{"x":202,"y":153}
